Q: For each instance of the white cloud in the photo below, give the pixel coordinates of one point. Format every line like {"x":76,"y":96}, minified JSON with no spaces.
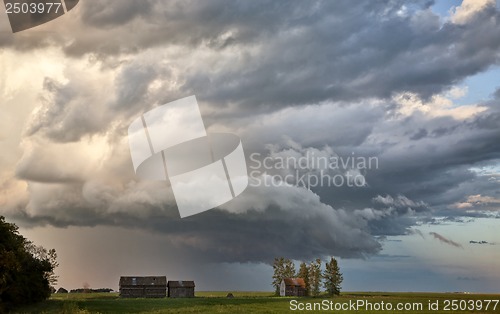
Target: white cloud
{"x":440,"y":105}
{"x":463,"y":13}
{"x":482,"y":199}
{"x":457,"y":92}
{"x":462,"y":205}
{"x":399,"y":201}
{"x":477,"y":200}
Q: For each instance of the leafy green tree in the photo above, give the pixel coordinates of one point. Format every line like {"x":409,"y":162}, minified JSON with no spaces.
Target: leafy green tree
{"x":289,"y":269}
{"x":283,"y":268}
{"x":25,"y":270}
{"x":333,"y":277}
{"x":304,"y":274}
{"x":315,"y":277}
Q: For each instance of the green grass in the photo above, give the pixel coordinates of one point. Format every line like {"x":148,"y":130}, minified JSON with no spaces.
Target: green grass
{"x":243,"y":302}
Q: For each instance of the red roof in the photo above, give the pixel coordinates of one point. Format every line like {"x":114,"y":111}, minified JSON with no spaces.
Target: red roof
{"x":298,"y":282}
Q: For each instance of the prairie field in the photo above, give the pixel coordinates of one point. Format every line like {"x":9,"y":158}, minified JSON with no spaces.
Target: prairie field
{"x":265,"y":302}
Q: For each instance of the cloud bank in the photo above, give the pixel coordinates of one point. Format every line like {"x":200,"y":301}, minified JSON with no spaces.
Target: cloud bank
{"x":373,"y":79}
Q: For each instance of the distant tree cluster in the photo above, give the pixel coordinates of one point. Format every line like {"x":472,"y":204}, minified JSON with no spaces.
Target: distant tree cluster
{"x":88,"y":290}
{"x":26,"y":270}
{"x":313,"y":276}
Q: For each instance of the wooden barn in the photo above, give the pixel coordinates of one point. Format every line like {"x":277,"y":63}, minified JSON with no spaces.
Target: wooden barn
{"x":293,"y":287}
{"x":143,"y":287}
{"x":180,"y":289}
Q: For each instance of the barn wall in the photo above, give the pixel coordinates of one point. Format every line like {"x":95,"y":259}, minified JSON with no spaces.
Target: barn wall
{"x":155,"y":292}
{"x":143,"y":286}
{"x":132,"y":292}
{"x":143,"y":292}
{"x":181,"y":292}
{"x":294,"y":291}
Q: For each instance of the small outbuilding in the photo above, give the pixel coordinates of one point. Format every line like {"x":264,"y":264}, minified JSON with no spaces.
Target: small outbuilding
{"x":293,"y":287}
{"x":180,"y":289}
{"x":143,"y":287}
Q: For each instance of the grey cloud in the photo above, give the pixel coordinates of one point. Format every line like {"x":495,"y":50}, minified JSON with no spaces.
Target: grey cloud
{"x":419,"y":134}
{"x":441,"y":165}
{"x":468,"y":278}
{"x":400,"y":201}
{"x":344,"y":71}
{"x":132,"y":85}
{"x":397,"y":213}
{"x":88,"y":105}
{"x":292,"y":53}
{"x":323,"y":61}
{"x":497,"y":93}
{"x":244,"y":231}
{"x":391,"y":257}
{"x":68,"y":111}
{"x":104,"y":14}
{"x":65,"y":190}
{"x":288,"y":75}
{"x":434,"y":169}
{"x":394,"y":216}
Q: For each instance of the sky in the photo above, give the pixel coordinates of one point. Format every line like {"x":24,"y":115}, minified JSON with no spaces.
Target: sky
{"x":412,"y":84}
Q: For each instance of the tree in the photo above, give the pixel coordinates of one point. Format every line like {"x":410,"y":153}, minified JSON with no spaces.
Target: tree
{"x":24,"y":271}
{"x":283,"y":268}
{"x":304,"y":274}
{"x":41,"y":253}
{"x":333,"y":277}
{"x":315,"y":277}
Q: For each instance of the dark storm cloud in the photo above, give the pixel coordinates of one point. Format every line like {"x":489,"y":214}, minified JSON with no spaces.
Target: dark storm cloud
{"x":437,"y":169}
{"x":293,"y":52}
{"x":432,"y":169}
{"x":104,"y":14}
{"x":401,"y":213}
{"x":288,"y":77}
{"x":328,"y":55}
{"x":294,"y":223}
{"x":281,"y":53}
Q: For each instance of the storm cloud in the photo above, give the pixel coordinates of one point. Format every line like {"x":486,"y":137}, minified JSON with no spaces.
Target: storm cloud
{"x":369,"y":78}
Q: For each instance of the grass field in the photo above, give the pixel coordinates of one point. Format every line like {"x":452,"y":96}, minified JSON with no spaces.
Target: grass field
{"x":263,"y":302}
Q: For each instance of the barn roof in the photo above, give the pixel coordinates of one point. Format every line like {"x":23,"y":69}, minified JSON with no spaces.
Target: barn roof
{"x":294,"y":282}
{"x":180,"y":284}
{"x":143,"y":281}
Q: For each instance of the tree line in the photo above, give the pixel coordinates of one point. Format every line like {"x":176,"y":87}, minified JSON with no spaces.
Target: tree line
{"x":26,"y":270}
{"x":313,"y":275}
{"x":83,"y":290}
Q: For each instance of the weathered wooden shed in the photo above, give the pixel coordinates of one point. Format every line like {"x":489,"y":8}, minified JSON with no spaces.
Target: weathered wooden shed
{"x":180,"y":289}
{"x":143,"y":287}
{"x":294,"y":287}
